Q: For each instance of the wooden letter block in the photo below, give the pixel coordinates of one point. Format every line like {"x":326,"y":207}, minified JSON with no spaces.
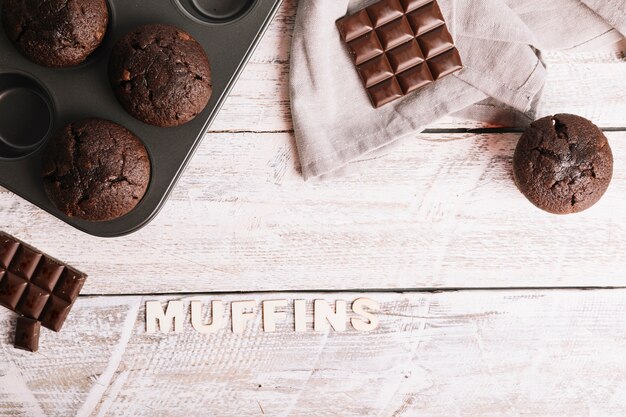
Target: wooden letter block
{"x":242,"y":311}
{"x":324,"y":315}
{"x":217,"y":317}
{"x":367,"y":321}
{"x":299,"y":314}
{"x":270,"y":315}
{"x":175,"y":313}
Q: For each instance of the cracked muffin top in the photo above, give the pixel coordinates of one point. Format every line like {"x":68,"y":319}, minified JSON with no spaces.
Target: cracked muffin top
{"x":56,"y":33}
{"x":563,"y":164}
{"x":160,"y":75}
{"x":96,"y":170}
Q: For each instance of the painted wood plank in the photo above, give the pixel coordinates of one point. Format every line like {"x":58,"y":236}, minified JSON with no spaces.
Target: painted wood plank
{"x":467,"y":353}
{"x":438,"y":211}
{"x":580,"y":83}
{"x":71,"y":365}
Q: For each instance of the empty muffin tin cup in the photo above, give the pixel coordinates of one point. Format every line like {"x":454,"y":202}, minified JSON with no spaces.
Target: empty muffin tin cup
{"x":26,"y":115}
{"x":216,"y":11}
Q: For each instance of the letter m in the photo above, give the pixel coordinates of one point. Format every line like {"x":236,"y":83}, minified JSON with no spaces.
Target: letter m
{"x":156,"y":318}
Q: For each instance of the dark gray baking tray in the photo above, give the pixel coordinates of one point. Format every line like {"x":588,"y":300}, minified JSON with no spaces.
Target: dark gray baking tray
{"x":36,"y":101}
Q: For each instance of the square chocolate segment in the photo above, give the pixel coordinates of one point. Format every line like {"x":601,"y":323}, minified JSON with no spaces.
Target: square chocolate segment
{"x":399,"y":46}
{"x":384,"y":12}
{"x":8,"y":247}
{"x":375,"y":71}
{"x":405,"y":56}
{"x":395,"y":33}
{"x":12,"y":287}
{"x":386,"y":91}
{"x":27,"y":334}
{"x":55,"y":313}
{"x":33,"y":301}
{"x":445,"y":64}
{"x":435,"y":42}
{"x":426,"y":19}
{"x":365,"y":48}
{"x":355,"y":26}
{"x":47,"y":274}
{"x":410,"y":5}
{"x":70,"y":285}
{"x":415,"y":78}
{"x":25,"y":262}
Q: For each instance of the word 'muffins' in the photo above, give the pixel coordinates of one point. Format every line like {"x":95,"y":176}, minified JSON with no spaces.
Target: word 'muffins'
{"x":362,"y":316}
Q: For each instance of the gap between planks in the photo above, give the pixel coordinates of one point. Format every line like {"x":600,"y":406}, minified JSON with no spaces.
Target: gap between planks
{"x":425,"y":290}
{"x":476,"y":131}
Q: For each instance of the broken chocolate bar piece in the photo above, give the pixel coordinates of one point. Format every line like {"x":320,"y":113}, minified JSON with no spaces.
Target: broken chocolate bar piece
{"x":27,"y":334}
{"x":36,"y":285}
{"x":399,"y":46}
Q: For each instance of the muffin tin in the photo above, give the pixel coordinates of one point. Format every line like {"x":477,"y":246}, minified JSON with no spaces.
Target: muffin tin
{"x":36,"y":101}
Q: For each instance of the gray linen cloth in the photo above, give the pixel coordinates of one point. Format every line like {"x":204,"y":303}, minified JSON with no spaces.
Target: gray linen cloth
{"x":335,"y":124}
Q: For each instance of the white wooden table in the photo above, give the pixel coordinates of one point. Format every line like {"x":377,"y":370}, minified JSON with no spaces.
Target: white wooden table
{"x":489,"y":307}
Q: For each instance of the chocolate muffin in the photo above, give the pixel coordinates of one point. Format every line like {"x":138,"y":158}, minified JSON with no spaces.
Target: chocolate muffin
{"x":563,"y":164}
{"x":55,"y":33}
{"x":96,"y":170}
{"x":161,"y":75}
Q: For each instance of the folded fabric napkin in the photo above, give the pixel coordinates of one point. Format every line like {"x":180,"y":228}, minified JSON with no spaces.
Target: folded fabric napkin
{"x":498,"y":40}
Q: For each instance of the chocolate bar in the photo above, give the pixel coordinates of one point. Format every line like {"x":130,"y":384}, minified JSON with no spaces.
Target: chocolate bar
{"x":36,"y":285}
{"x":399,"y":46}
{"x":27,"y":334}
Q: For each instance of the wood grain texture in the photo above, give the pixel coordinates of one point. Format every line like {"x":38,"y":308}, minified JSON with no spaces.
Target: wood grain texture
{"x":439,"y":211}
{"x":468,"y":353}
{"x":71,"y":365}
